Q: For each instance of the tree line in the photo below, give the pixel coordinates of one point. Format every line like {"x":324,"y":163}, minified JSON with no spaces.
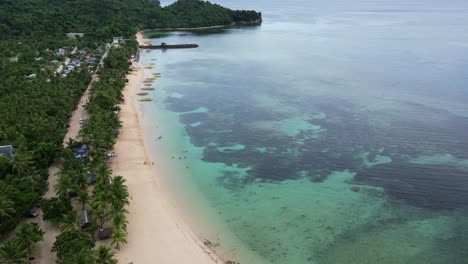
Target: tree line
{"x":88,"y":181}
{"x":106,"y":18}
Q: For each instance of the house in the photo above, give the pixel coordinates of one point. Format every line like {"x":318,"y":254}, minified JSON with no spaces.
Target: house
{"x":91,"y":60}
{"x":13,"y":59}
{"x":118,"y":41}
{"x":61,"y":52}
{"x":7,"y":151}
{"x":73,"y":35}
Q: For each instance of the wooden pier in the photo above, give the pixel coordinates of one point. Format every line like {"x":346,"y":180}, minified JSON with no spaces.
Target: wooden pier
{"x":167,"y":46}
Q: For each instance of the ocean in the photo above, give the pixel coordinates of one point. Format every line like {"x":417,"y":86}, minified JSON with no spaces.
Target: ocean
{"x":335,"y":132}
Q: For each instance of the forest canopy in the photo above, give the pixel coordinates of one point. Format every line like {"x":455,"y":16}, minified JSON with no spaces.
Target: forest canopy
{"x":106,"y":18}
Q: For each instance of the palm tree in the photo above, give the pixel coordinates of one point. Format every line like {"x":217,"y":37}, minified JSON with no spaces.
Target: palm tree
{"x":28,"y":235}
{"x":105,"y":256}
{"x":101,"y":207}
{"x":95,"y":160}
{"x":119,"y":221}
{"x":120,"y":193}
{"x":64,"y":185}
{"x":12,"y":253}
{"x":103,"y":173}
{"x":33,"y":178}
{"x":7,"y":207}
{"x":6,"y":188}
{"x":68,"y":222}
{"x":23,"y":163}
{"x":83,"y":256}
{"x":119,"y":237}
{"x":83,"y":198}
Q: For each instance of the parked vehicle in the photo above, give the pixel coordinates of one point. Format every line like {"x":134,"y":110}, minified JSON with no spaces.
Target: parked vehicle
{"x":32,"y":213}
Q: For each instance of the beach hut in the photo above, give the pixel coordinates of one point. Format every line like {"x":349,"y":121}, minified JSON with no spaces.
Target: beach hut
{"x":85,"y":219}
{"x":7,"y":151}
{"x":104,"y":233}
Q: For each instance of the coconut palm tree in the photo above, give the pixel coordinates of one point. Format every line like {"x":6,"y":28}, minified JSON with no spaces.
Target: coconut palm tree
{"x":83,"y":198}
{"x":28,"y":235}
{"x":68,"y":222}
{"x":101,"y":203}
{"x":7,"y":207}
{"x":119,"y":221}
{"x":64,"y":185}
{"x":12,"y":253}
{"x":23,"y":164}
{"x":120,"y":194}
{"x":119,"y":237}
{"x":105,"y":255}
{"x":82,"y":256}
{"x":80,"y":181}
{"x":103,"y":173}
{"x":33,"y":178}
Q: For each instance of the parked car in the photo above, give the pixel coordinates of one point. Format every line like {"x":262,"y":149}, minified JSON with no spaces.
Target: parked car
{"x":32,"y":213}
{"x":81,"y":121}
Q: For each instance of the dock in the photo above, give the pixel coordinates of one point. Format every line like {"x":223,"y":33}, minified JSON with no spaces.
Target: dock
{"x":167,"y":46}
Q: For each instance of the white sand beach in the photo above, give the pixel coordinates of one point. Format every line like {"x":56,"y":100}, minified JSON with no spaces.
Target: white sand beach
{"x":156,"y":233}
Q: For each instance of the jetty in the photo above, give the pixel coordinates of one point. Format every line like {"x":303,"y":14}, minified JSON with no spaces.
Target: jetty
{"x":167,"y":46}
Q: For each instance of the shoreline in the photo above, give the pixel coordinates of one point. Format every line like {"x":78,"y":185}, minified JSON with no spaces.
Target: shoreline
{"x":156,"y":232}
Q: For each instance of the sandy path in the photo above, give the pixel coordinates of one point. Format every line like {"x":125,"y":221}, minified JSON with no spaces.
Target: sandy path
{"x":42,"y":252}
{"x":74,"y":123}
{"x":80,"y":111}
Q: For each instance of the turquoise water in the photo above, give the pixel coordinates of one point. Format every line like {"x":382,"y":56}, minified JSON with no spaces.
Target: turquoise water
{"x":336,"y":132}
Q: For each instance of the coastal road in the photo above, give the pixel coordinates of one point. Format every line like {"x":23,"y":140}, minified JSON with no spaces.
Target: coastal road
{"x":80,"y":111}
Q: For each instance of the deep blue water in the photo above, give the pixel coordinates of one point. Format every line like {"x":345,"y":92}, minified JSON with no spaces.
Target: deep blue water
{"x":335,"y":132}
